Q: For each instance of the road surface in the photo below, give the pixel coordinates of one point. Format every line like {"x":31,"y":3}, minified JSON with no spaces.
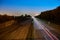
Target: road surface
{"x":16,"y":31}
{"x":43,"y":31}
{"x":30,"y":30}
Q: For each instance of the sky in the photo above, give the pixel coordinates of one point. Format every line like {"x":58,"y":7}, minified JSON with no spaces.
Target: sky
{"x":32,"y":7}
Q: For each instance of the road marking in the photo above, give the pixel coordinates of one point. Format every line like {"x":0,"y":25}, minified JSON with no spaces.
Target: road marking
{"x":52,"y":37}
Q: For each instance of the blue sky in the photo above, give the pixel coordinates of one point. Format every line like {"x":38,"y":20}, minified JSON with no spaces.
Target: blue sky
{"x":28,"y":6}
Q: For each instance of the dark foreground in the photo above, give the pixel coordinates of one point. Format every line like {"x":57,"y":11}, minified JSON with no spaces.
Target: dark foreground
{"x":16,"y":31}
{"x":29,"y":30}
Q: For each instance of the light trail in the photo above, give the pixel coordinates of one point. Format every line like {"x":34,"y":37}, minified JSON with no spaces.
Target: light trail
{"x":38,"y":25}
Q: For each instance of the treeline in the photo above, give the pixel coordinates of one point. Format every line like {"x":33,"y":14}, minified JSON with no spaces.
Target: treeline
{"x":22,"y":18}
{"x":51,"y":15}
{"x":4,"y":18}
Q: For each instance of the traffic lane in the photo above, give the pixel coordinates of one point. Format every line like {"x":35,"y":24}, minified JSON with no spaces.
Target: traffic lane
{"x":54,"y":28}
{"x":38,"y":35}
{"x":44,"y":33}
{"x":45,"y":30}
{"x":7,"y":24}
{"x":2,"y":30}
{"x":9,"y":31}
{"x":20,"y":33}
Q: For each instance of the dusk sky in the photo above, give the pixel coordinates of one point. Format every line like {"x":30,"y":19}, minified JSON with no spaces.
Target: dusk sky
{"x":27,"y":6}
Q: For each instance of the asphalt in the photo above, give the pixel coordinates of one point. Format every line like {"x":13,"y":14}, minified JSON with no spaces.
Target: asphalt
{"x":16,"y":31}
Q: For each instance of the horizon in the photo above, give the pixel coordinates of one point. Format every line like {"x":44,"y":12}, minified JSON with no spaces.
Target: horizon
{"x":31,"y":7}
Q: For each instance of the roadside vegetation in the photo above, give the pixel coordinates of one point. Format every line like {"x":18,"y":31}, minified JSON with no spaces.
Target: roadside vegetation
{"x":5,"y":18}
{"x":51,"y":15}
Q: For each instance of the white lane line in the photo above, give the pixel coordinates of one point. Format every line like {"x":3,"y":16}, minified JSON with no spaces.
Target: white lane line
{"x":53,"y":37}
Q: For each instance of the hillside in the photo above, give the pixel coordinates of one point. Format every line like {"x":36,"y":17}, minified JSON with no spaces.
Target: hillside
{"x":51,"y":15}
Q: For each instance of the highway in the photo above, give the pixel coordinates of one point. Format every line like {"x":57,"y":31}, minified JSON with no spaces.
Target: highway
{"x":42,"y":30}
{"x":30,"y":30}
{"x":16,"y":31}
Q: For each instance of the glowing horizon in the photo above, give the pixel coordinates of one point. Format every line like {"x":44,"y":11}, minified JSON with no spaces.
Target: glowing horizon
{"x":31,"y":7}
